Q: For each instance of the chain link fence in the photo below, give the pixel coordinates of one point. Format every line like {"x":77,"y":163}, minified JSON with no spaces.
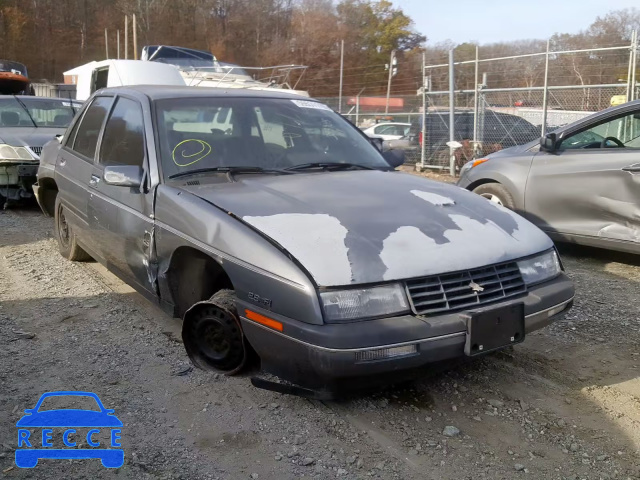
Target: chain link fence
{"x":498,"y":102}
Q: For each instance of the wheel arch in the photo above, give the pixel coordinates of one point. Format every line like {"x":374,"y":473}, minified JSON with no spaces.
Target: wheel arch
{"x":194,"y":276}
{"x":48,"y":195}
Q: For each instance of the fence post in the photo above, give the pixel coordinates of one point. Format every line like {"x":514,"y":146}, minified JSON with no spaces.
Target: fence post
{"x":545,"y":92}
{"x":391,"y":60}
{"x":358,"y":106}
{"x":634,"y":55}
{"x":341,"y":73}
{"x":475,"y":108}
{"x":423,"y":119}
{"x":452,"y":110}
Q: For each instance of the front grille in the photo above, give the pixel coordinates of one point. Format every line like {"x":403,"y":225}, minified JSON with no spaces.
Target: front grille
{"x":452,"y":291}
{"x":36,"y":150}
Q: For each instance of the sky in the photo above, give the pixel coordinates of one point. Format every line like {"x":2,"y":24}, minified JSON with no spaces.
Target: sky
{"x":488,"y":21}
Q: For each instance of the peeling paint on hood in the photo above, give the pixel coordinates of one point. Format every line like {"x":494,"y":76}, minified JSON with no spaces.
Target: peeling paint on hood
{"x":317,"y":239}
{"x":471,"y":239}
{"x":356,"y":227}
{"x":433,"y":198}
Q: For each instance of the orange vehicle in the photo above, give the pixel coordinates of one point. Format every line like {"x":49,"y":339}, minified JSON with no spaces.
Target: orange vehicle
{"x":14,"y":79}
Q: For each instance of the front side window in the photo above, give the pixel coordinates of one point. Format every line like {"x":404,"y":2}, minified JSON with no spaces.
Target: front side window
{"x":86,"y":137}
{"x":123,"y":139}
{"x":197,"y":133}
{"x":621,"y":132}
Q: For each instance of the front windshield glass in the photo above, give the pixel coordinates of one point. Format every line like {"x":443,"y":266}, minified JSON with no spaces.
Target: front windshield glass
{"x":37,"y":111}
{"x":269,"y":133}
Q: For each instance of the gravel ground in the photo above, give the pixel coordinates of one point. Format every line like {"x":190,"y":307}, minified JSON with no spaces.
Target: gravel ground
{"x":563,"y":405}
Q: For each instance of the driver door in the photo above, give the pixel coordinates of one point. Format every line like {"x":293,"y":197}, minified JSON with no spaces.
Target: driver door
{"x":590,"y":186}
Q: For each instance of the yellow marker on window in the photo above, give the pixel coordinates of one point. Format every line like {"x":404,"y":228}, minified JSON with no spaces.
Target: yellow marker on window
{"x":203,"y":152}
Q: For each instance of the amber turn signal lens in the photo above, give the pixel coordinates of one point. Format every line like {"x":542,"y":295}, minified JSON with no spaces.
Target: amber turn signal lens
{"x":261,"y":319}
{"x":478,"y":162}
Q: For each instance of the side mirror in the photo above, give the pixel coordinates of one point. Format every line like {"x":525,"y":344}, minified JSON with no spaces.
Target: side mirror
{"x":394,"y":158}
{"x":548,"y":143}
{"x":377,"y":142}
{"x":123,"y":175}
{"x":59,"y":137}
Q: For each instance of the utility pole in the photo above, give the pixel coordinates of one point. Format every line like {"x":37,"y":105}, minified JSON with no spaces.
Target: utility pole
{"x":106,"y":43}
{"x":392,"y":71}
{"x":341,"y":74}
{"x":126,"y":37}
{"x":135,"y":38}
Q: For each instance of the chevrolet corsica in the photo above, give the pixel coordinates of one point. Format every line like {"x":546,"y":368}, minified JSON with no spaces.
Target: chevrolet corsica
{"x":284,"y":238}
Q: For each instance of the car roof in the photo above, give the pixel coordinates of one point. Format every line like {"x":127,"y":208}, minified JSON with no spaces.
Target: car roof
{"x":159,"y":92}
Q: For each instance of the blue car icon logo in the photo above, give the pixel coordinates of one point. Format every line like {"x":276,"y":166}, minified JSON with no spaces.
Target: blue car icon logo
{"x":66,"y":427}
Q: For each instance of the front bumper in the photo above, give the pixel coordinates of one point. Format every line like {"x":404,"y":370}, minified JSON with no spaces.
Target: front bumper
{"x":16,"y":180}
{"x":337,"y":357}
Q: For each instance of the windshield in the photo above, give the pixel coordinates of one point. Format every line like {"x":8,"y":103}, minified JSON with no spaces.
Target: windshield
{"x":269,"y":133}
{"x":37,"y":111}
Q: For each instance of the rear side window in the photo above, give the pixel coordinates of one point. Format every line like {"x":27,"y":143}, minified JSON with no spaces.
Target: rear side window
{"x":123,"y":140}
{"x":89,"y":129}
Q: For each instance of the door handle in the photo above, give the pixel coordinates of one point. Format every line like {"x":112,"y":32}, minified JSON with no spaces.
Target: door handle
{"x":632,"y":168}
{"x":94,"y":180}
{"x":63,"y":162}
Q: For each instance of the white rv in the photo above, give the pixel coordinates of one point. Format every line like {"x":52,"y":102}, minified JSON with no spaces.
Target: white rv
{"x":115,"y":73}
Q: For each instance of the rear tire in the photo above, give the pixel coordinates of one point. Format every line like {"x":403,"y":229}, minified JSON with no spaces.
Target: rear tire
{"x":496,"y":193}
{"x":67,"y":243}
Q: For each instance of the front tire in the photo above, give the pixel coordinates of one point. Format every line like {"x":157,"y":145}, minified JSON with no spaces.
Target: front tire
{"x":67,"y":243}
{"x":213,"y":337}
{"x":496,"y":193}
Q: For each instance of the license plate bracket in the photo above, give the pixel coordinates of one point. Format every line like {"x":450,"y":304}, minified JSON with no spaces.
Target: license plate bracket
{"x":493,"y":329}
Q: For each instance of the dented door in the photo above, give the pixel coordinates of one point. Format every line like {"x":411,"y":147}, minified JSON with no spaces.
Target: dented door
{"x":588,"y":192}
{"x":121,"y":218}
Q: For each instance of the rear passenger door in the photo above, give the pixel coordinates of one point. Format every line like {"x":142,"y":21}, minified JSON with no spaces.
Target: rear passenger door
{"x":121,"y":217}
{"x":74,"y":165}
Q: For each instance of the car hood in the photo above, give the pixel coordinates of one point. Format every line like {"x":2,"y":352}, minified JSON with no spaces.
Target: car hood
{"x":357,"y":227}
{"x":28,"y":136}
{"x":69,"y":418}
{"x":518,"y":149}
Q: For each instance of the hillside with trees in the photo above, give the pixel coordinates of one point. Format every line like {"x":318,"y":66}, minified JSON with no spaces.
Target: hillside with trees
{"x":50,"y":36}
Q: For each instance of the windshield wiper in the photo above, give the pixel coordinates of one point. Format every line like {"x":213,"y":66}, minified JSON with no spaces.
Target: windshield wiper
{"x":329,"y":165}
{"x":229,"y":171}
{"x":26,"y":110}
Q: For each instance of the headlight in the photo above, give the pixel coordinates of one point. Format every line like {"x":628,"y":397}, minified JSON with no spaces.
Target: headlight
{"x":7,"y":152}
{"x":540,"y":268}
{"x":344,"y":305}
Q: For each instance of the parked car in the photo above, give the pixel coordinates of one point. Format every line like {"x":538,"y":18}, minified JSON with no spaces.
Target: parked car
{"x":275,"y":229}
{"x":578,"y":184}
{"x":496,"y":131}
{"x":388,"y":130}
{"x":26,"y":124}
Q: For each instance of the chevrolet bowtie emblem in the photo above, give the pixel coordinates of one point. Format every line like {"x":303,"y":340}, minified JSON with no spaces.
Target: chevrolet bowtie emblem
{"x":475,"y":287}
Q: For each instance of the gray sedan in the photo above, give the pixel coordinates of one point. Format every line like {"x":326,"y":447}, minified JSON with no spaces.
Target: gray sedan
{"x":580,"y":183}
{"x":281,"y":235}
{"x":26,"y":124}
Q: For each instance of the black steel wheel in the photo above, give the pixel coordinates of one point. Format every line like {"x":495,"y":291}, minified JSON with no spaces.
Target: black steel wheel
{"x":213,"y":337}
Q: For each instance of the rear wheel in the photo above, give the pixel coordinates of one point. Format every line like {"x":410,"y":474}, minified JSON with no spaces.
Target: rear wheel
{"x":496,"y":193}
{"x":67,"y":243}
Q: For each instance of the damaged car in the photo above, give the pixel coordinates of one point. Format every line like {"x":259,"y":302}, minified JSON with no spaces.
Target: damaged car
{"x":284,"y":239}
{"x":579,"y":183}
{"x":26,"y":124}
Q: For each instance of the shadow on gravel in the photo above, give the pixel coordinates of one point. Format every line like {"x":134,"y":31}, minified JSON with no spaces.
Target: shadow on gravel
{"x":597,"y":255}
